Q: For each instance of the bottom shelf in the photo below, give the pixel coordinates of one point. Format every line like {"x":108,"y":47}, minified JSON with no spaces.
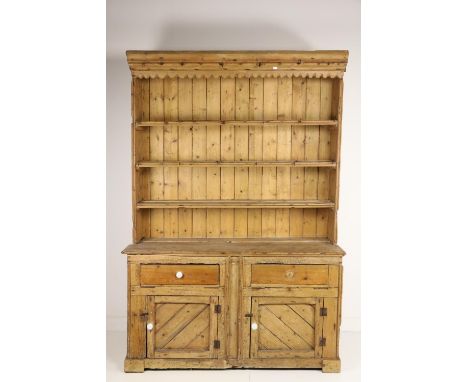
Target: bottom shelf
{"x":254,"y":246}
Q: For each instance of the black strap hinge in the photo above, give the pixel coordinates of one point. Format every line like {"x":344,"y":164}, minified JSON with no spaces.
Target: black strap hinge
{"x":323,"y":312}
{"x":217,"y":344}
{"x":323,"y":341}
{"x":217,"y":308}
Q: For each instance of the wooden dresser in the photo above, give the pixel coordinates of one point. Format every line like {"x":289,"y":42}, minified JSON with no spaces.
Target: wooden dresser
{"x":236,"y":159}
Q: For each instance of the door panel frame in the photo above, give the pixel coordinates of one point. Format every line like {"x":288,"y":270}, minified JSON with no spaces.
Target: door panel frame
{"x":255,"y":353}
{"x":152,"y":301}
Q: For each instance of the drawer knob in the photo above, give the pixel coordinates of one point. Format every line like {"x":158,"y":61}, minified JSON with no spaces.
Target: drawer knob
{"x":179,"y":275}
{"x":254,"y":326}
{"x":289,"y":274}
{"x":149,"y":326}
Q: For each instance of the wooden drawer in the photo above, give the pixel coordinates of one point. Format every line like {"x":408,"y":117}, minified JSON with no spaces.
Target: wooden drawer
{"x":289,"y":274}
{"x":179,"y":274}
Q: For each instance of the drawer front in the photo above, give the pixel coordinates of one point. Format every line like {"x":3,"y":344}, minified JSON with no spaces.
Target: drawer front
{"x":289,"y":274}
{"x":175,"y":274}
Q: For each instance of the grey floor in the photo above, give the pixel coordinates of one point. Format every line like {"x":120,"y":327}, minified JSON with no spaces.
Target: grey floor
{"x":350,"y":367}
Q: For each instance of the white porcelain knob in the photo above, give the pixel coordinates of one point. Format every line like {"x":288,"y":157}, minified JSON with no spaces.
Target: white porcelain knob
{"x":179,"y":275}
{"x":254,"y":326}
{"x":149,"y":326}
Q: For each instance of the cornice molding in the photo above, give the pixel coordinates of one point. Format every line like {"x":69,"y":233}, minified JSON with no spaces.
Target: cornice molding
{"x":251,"y":64}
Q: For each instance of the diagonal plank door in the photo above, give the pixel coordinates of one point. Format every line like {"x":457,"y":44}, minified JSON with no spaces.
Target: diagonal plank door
{"x":286,"y":327}
{"x":183,"y":327}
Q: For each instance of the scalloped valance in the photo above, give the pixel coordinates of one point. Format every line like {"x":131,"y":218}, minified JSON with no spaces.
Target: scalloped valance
{"x":230,"y":64}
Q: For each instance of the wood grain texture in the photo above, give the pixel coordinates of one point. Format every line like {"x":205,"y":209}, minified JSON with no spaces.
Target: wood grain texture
{"x":252,"y":246}
{"x":290,"y":274}
{"x":171,"y":137}
{"x":213,"y":152}
{"x":270,"y":141}
{"x":156,"y":145}
{"x":191,"y":274}
{"x":243,"y":163}
{"x":284,"y":332}
{"x":182,"y":327}
{"x":297,"y":153}
{"x":291,"y":56}
{"x":140,"y":151}
{"x":242,"y":122}
{"x":228,"y":102}
{"x":283,"y":152}
{"x":136,"y":327}
{"x":241,"y":153}
{"x":235,"y":184}
{"x":232,"y":309}
{"x":240,"y":138}
{"x":330,"y":328}
{"x":199,"y":150}
{"x":233,"y":203}
{"x":185,"y":142}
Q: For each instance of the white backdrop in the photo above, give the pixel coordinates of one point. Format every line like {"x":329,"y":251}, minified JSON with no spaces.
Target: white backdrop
{"x":236,"y":25}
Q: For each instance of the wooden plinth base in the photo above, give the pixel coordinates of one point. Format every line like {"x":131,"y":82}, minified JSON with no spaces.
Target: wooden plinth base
{"x":331,"y":365}
{"x":139,"y":365}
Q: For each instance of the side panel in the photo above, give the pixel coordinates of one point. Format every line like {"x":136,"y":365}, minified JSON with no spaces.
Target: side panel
{"x":330,"y":328}
{"x":136,"y":318}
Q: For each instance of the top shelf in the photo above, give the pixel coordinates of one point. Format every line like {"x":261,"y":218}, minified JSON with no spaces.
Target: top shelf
{"x":238,"y":123}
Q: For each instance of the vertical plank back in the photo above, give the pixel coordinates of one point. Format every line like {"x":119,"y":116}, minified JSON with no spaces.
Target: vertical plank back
{"x":156,"y":174}
{"x":220,"y":98}
{"x":228,"y":102}
{"x":199,"y":174}
{"x":241,"y":153}
{"x":185,"y":142}
{"x":270,"y":141}
{"x":171,"y":137}
{"x":213,"y":152}
{"x":299,"y":97}
{"x":254,"y":218}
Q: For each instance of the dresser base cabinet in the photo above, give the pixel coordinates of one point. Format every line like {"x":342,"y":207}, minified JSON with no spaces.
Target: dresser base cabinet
{"x":221,"y":311}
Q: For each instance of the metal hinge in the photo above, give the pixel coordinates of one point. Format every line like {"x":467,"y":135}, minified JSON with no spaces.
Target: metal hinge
{"x":217,"y":344}
{"x":323,"y":341}
{"x":323,"y":312}
{"x":217,"y":308}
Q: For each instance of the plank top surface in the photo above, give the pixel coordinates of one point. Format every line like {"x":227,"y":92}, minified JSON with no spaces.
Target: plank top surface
{"x":238,"y":56}
{"x":268,"y":246}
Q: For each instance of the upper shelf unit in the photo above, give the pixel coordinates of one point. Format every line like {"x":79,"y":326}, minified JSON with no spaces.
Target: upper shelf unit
{"x":236,"y":144}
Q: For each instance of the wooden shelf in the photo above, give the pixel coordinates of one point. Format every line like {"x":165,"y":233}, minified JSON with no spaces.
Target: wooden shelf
{"x":279,"y":163}
{"x":228,"y":246}
{"x":237,"y":203}
{"x":237,"y":123}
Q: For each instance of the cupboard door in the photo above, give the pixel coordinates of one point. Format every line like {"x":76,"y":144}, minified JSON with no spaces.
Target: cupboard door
{"x":286,"y":327}
{"x":182,"y":327}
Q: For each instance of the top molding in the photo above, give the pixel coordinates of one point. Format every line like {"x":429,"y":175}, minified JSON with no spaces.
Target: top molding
{"x":230,"y":64}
